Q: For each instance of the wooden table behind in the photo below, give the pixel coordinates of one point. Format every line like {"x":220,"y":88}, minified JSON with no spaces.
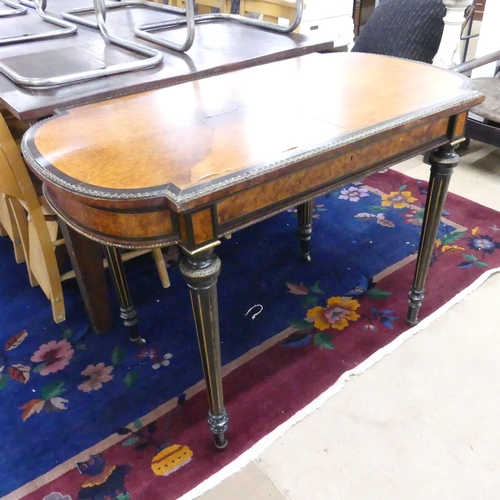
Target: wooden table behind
{"x":219,"y":47}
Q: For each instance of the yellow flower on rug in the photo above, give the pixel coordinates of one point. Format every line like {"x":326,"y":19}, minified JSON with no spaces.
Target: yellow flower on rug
{"x":170,"y":459}
{"x":337,"y":314}
{"x":397,"y":199}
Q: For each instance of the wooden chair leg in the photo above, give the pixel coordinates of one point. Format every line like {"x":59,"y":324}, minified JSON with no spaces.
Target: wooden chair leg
{"x":86,"y":258}
{"x":42,"y":256}
{"x":8,"y":206}
{"x":21,"y":222}
{"x":204,"y":9}
{"x":58,"y":308}
{"x":161,"y":267}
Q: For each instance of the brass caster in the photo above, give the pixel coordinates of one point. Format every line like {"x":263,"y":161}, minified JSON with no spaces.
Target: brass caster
{"x":220,"y":441}
{"x":139,"y":341}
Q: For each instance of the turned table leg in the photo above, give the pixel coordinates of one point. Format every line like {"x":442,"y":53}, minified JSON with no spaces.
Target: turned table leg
{"x":443,"y":161}
{"x":128,"y":311}
{"x":200,"y":270}
{"x":305,"y":219}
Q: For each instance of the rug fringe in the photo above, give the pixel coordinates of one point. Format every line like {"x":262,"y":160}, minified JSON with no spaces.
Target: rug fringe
{"x":253,"y":452}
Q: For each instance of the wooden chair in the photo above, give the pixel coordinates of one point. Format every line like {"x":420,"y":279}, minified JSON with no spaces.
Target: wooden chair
{"x":270,"y":10}
{"x":38,"y":229}
{"x":8,"y":226}
{"x":205,"y":6}
{"x":486,"y":129}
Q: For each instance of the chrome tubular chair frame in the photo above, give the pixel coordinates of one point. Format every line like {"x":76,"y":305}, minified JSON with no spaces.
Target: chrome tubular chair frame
{"x":72,"y":15}
{"x":18,"y":9}
{"x":40,"y":5}
{"x":227,"y":17}
{"x":142,"y":32}
{"x":153,"y":58}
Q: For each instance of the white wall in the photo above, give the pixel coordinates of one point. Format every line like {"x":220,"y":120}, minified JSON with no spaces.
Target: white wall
{"x":489,"y":37}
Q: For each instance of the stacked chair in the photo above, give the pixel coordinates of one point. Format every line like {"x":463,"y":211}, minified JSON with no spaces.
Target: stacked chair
{"x":205,"y":6}
{"x":270,"y":10}
{"x":8,"y":208}
{"x":484,"y":124}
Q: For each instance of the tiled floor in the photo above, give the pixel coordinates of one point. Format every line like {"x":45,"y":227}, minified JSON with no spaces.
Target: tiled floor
{"x":421,"y":424}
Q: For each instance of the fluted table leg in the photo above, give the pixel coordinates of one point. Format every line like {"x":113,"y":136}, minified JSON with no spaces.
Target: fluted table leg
{"x":128,"y":311}
{"x":305,"y":219}
{"x":200,"y":270}
{"x":443,"y":161}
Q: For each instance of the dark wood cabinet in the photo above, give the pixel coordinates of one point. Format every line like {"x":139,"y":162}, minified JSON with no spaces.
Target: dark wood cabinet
{"x":361,"y":11}
{"x":479,"y":9}
{"x":356,"y":16}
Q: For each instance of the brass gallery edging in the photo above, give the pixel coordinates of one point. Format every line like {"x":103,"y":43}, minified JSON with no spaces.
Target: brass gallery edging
{"x":215,"y":186}
{"x":103,"y":241}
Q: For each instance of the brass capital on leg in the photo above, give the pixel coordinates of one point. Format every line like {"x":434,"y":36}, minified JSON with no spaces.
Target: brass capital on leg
{"x":201,"y":270}
{"x":442,"y":161}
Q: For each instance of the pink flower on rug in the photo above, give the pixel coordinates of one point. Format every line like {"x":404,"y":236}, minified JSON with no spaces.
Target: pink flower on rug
{"x":413,"y":216}
{"x":148,"y":353}
{"x":55,"y":356}
{"x":98,"y":375}
{"x":353,"y":193}
{"x":337,"y":314}
{"x":297,"y":289}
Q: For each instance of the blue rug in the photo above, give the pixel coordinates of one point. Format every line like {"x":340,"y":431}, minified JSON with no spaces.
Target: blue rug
{"x":63,"y":388}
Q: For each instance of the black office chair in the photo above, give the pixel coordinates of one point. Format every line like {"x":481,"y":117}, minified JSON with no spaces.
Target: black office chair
{"x":410,"y":29}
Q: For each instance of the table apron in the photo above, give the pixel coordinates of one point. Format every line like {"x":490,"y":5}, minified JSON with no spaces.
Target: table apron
{"x":286,"y":191}
{"x":148,"y":222}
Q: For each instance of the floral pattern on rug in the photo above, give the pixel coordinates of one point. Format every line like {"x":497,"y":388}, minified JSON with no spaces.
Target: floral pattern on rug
{"x":52,"y":358}
{"x":335,"y":314}
{"x":328,"y":315}
{"x":100,"y":480}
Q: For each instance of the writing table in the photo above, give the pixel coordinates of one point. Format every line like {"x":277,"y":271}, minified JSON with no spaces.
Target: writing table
{"x":192,"y":163}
